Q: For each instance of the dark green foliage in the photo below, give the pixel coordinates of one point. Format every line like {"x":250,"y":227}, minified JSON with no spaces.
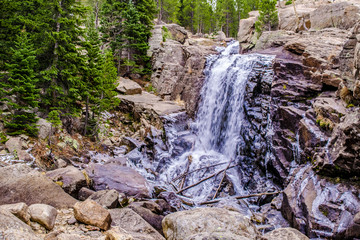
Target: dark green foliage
{"x":268,"y":17}
{"x":98,"y":76}
{"x":167,"y":10}
{"x":54,"y":118}
{"x":61,"y":79}
{"x":20,"y":88}
{"x":201,"y":16}
{"x":127,"y":27}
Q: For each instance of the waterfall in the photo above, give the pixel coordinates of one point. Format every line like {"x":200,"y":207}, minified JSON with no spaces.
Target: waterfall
{"x":213,"y":138}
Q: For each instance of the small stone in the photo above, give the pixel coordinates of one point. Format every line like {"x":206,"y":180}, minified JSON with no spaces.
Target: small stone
{"x":84,"y":193}
{"x":20,"y":210}
{"x":117,"y":233}
{"x":43,"y":214}
{"x":92,"y":213}
{"x":106,"y":198}
{"x":60,"y":163}
{"x":71,"y":221}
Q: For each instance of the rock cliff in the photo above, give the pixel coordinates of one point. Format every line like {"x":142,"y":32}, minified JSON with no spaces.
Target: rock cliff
{"x":314,"y":114}
{"x":178,"y":63}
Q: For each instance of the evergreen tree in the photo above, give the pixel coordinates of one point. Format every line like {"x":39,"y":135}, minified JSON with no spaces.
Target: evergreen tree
{"x":127,"y":27}
{"x":61,"y":79}
{"x":268,"y":17}
{"x":167,"y":10}
{"x":16,"y":14}
{"x":21,"y":91}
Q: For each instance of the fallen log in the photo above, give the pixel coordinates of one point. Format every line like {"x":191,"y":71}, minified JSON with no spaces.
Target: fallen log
{"x":186,"y":171}
{"x":241,"y":197}
{"x":198,"y":169}
{"x":222,"y":179}
{"x":202,"y":180}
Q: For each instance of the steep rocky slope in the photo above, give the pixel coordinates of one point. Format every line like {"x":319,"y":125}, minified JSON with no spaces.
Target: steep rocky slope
{"x":315,"y":114}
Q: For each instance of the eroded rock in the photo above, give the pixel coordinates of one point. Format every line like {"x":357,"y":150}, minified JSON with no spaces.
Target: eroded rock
{"x":106,"y":198}
{"x":13,"y":228}
{"x":19,"y":183}
{"x":43,"y":214}
{"x":285,"y":234}
{"x":135,"y":225}
{"x":123,"y":179}
{"x":92,"y":213}
{"x":343,"y":152}
{"x":128,"y":87}
{"x":20,"y":210}
{"x":71,"y":179}
{"x":210,"y":222}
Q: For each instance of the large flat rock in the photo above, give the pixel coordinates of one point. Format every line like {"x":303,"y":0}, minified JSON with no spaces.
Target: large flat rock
{"x":20,"y":183}
{"x":148,"y":101}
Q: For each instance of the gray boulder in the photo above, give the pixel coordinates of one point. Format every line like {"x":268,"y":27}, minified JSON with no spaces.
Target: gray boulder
{"x":209,"y":222}
{"x":20,"y":183}
{"x":12,"y":228}
{"x":43,"y":214}
{"x":134,"y":224}
{"x":106,"y":198}
{"x":20,"y":210}
{"x":285,"y":234}
{"x":128,"y":87}
{"x":71,"y":179}
{"x":123,"y":179}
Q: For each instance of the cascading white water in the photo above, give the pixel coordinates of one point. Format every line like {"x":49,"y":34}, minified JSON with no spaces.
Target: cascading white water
{"x":215,"y":133}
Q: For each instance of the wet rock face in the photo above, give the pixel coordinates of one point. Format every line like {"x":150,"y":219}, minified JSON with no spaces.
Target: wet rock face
{"x":343,"y":155}
{"x":319,"y":207}
{"x":257,"y":100}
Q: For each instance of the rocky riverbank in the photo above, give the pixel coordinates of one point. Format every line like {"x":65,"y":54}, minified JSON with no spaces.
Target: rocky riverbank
{"x":314,"y":114}
{"x":301,"y":137}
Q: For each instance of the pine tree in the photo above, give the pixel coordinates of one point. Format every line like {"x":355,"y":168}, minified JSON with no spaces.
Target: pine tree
{"x":167,"y":10}
{"x":21,"y":91}
{"x":268,"y":17}
{"x":61,"y":79}
{"x":127,"y":27}
{"x":16,"y":14}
